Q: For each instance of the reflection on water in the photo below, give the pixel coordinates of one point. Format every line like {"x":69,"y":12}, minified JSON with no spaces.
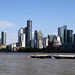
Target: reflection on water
{"x":19,"y":64}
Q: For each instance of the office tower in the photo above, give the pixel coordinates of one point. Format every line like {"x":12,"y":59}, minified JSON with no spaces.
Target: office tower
{"x":32,"y":41}
{"x":19,"y":34}
{"x":70,"y":36}
{"x":28,"y":32}
{"x":0,"y":41}
{"x":3,"y":38}
{"x":74,"y":38}
{"x":65,"y":34}
{"x":45,"y":42}
{"x":61,"y":34}
{"x":21,"y":37}
{"x":51,"y":37}
{"x":32,"y":35}
{"x":38,"y":39}
{"x":25,"y":32}
{"x":22,"y":43}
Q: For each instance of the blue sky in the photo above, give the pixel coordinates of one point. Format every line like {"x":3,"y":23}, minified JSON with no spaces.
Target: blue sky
{"x":46,"y":15}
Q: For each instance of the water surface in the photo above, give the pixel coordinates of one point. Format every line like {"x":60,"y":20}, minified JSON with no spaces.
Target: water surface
{"x":19,"y":64}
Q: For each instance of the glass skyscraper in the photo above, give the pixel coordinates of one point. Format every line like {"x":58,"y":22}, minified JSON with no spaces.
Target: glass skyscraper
{"x":3,"y":38}
{"x":61,"y":34}
{"x":70,"y":36}
{"x":28,"y":33}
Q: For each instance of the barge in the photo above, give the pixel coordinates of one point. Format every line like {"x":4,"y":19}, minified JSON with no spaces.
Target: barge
{"x":64,"y":56}
{"x":40,"y":56}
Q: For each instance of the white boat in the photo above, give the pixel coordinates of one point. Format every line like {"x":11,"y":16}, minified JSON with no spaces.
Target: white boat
{"x":64,"y":56}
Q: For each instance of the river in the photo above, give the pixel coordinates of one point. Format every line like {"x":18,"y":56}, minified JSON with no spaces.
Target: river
{"x":19,"y":64}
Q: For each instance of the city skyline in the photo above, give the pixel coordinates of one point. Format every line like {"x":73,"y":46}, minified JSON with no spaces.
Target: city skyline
{"x":45,"y":15}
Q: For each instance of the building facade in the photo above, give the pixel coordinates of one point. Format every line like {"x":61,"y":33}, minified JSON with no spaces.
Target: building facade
{"x":21,"y":37}
{"x":45,"y":42}
{"x":70,"y":36}
{"x":3,"y":38}
{"x":51,"y":37}
{"x":65,"y":33}
{"x":38,"y":39}
{"x":28,"y":33}
{"x":61,"y":34}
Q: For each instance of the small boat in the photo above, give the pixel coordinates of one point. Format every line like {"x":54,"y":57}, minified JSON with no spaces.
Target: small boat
{"x":40,"y":56}
{"x":64,"y":56}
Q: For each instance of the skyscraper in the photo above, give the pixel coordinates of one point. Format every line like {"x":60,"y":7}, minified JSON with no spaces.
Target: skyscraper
{"x":19,"y":34}
{"x":65,"y":33}
{"x":38,"y":39}
{"x":3,"y":38}
{"x":45,"y":42}
{"x":21,"y":37}
{"x":51,"y":37}
{"x":74,"y":38}
{"x":61,"y":34}
{"x":70,"y":36}
{"x":28,"y":33}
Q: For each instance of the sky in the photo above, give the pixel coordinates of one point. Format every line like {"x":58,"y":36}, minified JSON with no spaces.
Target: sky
{"x":46,"y":15}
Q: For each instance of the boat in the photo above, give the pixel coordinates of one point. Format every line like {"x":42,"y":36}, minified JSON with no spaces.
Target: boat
{"x":40,"y":56}
{"x":64,"y":56}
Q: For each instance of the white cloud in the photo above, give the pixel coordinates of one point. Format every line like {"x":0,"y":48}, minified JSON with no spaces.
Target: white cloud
{"x":54,"y":33}
{"x":12,"y":38}
{"x":5,"y":24}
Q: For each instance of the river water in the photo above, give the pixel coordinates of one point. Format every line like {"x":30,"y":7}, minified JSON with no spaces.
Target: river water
{"x":19,"y":64}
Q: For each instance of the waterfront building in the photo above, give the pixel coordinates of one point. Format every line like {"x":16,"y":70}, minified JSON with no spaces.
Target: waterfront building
{"x":31,"y":43}
{"x":45,"y":42}
{"x":32,"y":35}
{"x":28,"y":32}
{"x":54,"y":45}
{"x":70,"y":36}
{"x":25,"y":32}
{"x":51,"y":37}
{"x":3,"y":46}
{"x":3,"y":38}
{"x":19,"y":34}
{"x":67,"y":47}
{"x":65,"y":33}
{"x":61,"y":34}
{"x":22,"y":42}
{"x":74,"y":38}
{"x":0,"y":41}
{"x":12,"y":47}
{"x":21,"y":37}
{"x":40,"y":44}
{"x":38,"y":39}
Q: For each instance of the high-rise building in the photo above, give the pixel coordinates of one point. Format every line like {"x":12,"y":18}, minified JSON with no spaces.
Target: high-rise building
{"x":74,"y":38}
{"x":28,"y":33}
{"x":51,"y":37}
{"x":38,"y":39}
{"x":25,"y":32}
{"x":45,"y":42}
{"x":21,"y":37}
{"x":3,"y":38}
{"x":70,"y":36}
{"x":19,"y":34}
{"x":65,"y":33}
{"x":32,"y":35}
{"x":0,"y":41}
{"x":61,"y":34}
